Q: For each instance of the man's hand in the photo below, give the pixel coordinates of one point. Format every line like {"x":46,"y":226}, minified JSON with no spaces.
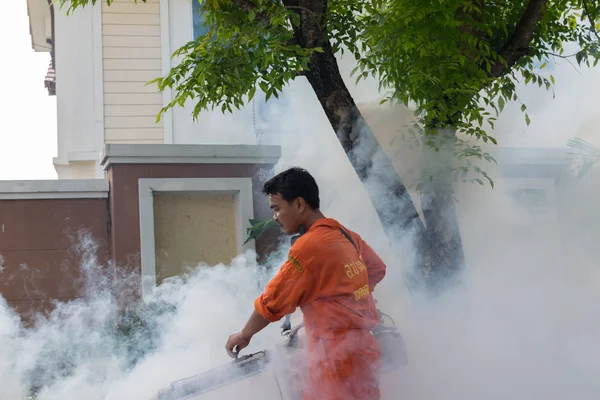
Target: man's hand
{"x":236,"y":343}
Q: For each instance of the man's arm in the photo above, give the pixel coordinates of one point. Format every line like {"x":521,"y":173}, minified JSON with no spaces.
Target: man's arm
{"x":239,"y":341}
{"x":376,"y":268}
{"x":289,"y":289}
{"x":255,"y":324}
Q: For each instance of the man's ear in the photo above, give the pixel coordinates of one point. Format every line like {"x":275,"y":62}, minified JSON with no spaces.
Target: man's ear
{"x":300,"y":204}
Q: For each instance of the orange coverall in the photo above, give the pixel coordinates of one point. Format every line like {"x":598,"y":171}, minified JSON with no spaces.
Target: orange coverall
{"x":331,"y":281}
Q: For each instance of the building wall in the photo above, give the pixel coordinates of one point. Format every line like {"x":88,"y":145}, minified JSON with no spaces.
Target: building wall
{"x":212,"y":127}
{"x":40,"y":248}
{"x":75,"y":105}
{"x":43,"y":257}
{"x":125,"y":199}
{"x":105,"y":55}
{"x":131,"y":56}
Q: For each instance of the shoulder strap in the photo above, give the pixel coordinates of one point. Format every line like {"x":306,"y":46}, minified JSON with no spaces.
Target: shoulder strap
{"x":301,"y":232}
{"x":346,"y":234}
{"x":348,"y":237}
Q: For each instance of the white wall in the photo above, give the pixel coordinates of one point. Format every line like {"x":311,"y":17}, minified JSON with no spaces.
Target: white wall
{"x":74,"y":35}
{"x":211,"y":127}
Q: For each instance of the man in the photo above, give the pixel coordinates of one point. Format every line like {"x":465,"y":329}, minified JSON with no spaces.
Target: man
{"x":330,"y":274}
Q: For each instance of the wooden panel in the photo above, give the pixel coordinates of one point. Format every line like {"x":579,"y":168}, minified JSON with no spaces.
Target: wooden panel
{"x":131,"y":64}
{"x":133,"y":99}
{"x":131,"y":75}
{"x":130,"y":19}
{"x":131,"y":58}
{"x":129,"y":87}
{"x":133,"y":134}
{"x":132,"y":111}
{"x":131,"y":30}
{"x":193,"y":228}
{"x":131,"y":8}
{"x":131,"y":52}
{"x":131,"y":41}
{"x":131,"y":122}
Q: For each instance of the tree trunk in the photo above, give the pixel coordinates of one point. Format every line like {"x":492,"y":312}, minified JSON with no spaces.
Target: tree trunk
{"x":386,"y":189}
{"x":439,"y":250}
{"x":442,"y":242}
{"x":438,"y":246}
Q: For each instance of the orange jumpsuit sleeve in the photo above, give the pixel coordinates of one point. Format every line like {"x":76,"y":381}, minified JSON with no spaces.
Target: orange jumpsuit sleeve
{"x":376,"y":268}
{"x":290,"y":288}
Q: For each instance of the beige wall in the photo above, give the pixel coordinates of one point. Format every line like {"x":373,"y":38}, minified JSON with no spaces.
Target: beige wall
{"x":131,"y":57}
{"x":77,"y":170}
{"x":191,"y":229}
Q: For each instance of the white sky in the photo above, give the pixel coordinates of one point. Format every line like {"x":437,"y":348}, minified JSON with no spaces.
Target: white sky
{"x":27,"y":112}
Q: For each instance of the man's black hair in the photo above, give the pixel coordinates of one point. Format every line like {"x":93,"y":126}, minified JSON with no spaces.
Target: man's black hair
{"x":293,"y":183}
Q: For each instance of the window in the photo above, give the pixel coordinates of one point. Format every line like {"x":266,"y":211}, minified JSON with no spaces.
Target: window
{"x":198,"y":20}
{"x":533,"y":200}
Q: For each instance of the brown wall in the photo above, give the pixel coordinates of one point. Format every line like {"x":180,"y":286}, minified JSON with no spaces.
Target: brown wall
{"x":124,"y":204}
{"x":37,"y":236}
{"x":36,"y":244}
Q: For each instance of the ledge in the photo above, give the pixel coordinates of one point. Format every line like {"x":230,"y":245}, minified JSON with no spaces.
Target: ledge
{"x":188,"y":154}
{"x":38,"y":12}
{"x":77,"y":156}
{"x":532,"y":162}
{"x":54,"y":189}
{"x":531,"y":155}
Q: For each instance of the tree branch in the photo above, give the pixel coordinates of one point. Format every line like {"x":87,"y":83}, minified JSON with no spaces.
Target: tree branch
{"x":247,"y":6}
{"x":518,"y":44}
{"x":586,"y":7}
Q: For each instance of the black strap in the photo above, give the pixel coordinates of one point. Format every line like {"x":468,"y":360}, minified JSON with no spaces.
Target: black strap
{"x":301,"y":231}
{"x":294,"y":238}
{"x":346,"y":234}
{"x":348,"y":237}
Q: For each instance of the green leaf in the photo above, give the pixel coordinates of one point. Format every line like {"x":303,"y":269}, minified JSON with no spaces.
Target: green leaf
{"x":251,"y":93}
{"x":527,"y":120}
{"x":258,"y":228}
{"x":264,"y":86}
{"x":501,"y":103}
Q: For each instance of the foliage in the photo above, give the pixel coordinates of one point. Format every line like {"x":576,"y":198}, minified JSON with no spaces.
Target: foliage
{"x":454,"y":61}
{"x":239,"y":53}
{"x":257,"y":228}
{"x":446,"y":57}
{"x":74,"y":4}
{"x":131,"y":334}
{"x":458,"y":62}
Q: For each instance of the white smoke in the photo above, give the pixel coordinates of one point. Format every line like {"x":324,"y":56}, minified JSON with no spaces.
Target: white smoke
{"x":524,"y":325}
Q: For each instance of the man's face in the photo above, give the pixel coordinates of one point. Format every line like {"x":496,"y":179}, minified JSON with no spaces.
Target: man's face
{"x":287,"y":215}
